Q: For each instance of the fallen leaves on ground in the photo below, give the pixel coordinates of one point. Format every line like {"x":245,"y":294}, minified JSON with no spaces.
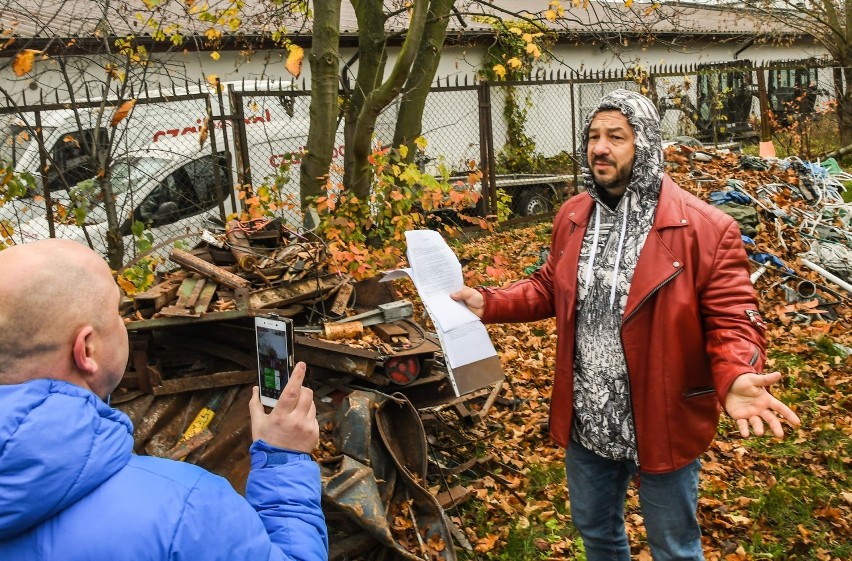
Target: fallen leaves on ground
{"x":760,"y":498}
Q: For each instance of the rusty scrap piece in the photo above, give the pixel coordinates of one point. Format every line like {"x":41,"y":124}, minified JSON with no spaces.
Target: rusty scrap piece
{"x":148,"y":351}
{"x":184,"y":447}
{"x":377,"y":482}
{"x":286,"y":294}
{"x":194,"y":297}
{"x":209,"y":270}
{"x":238,"y":239}
{"x":336,"y":331}
{"x":156,"y":297}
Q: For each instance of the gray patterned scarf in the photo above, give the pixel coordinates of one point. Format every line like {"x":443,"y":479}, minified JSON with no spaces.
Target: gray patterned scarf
{"x":603,"y":419}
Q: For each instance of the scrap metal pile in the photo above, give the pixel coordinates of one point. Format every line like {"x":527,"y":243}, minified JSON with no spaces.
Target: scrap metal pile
{"x":372,"y":368}
{"x":795,"y":224}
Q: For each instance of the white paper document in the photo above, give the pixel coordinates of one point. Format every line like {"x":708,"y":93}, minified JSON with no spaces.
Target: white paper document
{"x":437,"y":273}
{"x":466,"y":344}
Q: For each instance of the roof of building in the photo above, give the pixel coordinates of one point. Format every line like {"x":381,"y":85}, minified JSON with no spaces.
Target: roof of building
{"x":86,"y":19}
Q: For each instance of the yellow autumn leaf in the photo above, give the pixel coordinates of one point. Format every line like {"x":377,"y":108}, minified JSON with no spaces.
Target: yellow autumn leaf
{"x":403,"y":151}
{"x":533,"y":50}
{"x":516,"y":30}
{"x":128,"y":287}
{"x":214,"y":55}
{"x":556,"y":6}
{"x":23,"y":62}
{"x":550,"y":15}
{"x":202,"y":134}
{"x":294,"y":60}
{"x":213,"y":34}
{"x":628,"y":3}
{"x":514,"y":63}
{"x":123,"y":110}
{"x":499,"y":70}
{"x":421,"y":142}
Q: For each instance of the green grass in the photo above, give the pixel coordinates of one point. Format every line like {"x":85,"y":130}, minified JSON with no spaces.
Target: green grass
{"x":530,"y":537}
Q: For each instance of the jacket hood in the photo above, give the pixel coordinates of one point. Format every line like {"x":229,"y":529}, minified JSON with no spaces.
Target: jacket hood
{"x":648,"y":160}
{"x":58,"y":442}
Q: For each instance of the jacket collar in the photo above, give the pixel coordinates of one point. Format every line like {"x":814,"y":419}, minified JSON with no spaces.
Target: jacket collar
{"x":671,"y":208}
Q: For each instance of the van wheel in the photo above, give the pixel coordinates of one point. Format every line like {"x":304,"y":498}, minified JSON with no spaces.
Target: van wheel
{"x":533,"y":200}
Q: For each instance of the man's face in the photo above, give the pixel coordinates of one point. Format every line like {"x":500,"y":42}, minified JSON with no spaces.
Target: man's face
{"x":611,"y":150}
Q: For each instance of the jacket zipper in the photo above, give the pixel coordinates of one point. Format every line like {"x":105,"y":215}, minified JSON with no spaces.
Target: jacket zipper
{"x":621,"y":335}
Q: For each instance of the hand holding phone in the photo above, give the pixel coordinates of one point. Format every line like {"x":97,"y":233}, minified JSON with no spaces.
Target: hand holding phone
{"x":275,"y":358}
{"x":292,"y":423}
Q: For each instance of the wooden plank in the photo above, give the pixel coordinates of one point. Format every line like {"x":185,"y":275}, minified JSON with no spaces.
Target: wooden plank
{"x":341,"y":299}
{"x":196,"y":292}
{"x":387,"y":331}
{"x":209,"y":270}
{"x":157,"y":296}
{"x":155,"y":323}
{"x":206,"y":296}
{"x":286,"y":294}
{"x":193,"y":383}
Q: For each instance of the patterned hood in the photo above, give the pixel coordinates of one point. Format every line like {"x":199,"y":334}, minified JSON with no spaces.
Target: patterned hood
{"x":648,"y":162}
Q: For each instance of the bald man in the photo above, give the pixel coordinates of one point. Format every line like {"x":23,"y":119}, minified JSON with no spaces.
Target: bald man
{"x":70,"y":486}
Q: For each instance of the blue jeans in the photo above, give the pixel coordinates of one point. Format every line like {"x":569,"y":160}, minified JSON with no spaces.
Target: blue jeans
{"x":597,"y":489}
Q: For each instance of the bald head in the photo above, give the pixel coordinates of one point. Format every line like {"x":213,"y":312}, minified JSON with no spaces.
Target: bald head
{"x":49,"y":291}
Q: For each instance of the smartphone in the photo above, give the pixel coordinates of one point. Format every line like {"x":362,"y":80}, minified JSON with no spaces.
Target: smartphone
{"x":275,"y":357}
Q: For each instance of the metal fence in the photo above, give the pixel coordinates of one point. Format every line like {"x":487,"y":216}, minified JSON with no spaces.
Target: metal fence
{"x":176,"y":158}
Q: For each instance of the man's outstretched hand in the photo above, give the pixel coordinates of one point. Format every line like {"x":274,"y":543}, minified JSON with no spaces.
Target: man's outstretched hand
{"x":292,"y":423}
{"x":750,"y":404}
{"x":471,"y":298}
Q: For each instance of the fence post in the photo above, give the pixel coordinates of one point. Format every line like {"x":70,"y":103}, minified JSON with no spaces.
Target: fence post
{"x":240,"y":140}
{"x":486,"y":150}
{"x":42,"y":157}
{"x":763,"y":100}
{"x":224,"y":118}
{"x":217,"y":162}
{"x":574,"y":138}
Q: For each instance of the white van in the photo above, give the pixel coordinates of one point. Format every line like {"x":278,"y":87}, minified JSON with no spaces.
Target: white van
{"x":162,"y":174}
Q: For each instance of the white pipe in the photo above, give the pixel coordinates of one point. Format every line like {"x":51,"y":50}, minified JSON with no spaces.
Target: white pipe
{"x":833,"y":278}
{"x":756,"y":275}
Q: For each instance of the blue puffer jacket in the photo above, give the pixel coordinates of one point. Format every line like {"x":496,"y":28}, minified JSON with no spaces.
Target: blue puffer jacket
{"x":71,"y":489}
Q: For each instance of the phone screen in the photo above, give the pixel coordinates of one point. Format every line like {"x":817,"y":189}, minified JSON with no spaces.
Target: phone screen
{"x":273,"y":357}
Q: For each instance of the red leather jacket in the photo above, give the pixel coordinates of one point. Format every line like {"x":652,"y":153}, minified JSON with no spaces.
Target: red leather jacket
{"x":690,"y":326}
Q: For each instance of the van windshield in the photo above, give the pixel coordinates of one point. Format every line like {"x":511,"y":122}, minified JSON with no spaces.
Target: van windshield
{"x":130,"y":174}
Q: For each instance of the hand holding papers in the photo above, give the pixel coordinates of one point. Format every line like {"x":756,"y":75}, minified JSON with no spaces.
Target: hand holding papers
{"x":436,"y":272}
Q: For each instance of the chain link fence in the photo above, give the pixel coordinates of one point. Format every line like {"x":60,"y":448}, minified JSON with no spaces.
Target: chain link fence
{"x":177,"y":159}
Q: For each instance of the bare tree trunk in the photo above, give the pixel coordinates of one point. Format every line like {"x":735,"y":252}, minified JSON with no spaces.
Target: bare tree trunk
{"x":381,"y":97}
{"x":372,"y":56}
{"x":409,"y":123}
{"x":843,"y":94}
{"x":324,"y":107}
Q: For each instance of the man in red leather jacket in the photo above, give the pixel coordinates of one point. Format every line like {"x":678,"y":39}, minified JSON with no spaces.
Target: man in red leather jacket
{"x":657,"y":327}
